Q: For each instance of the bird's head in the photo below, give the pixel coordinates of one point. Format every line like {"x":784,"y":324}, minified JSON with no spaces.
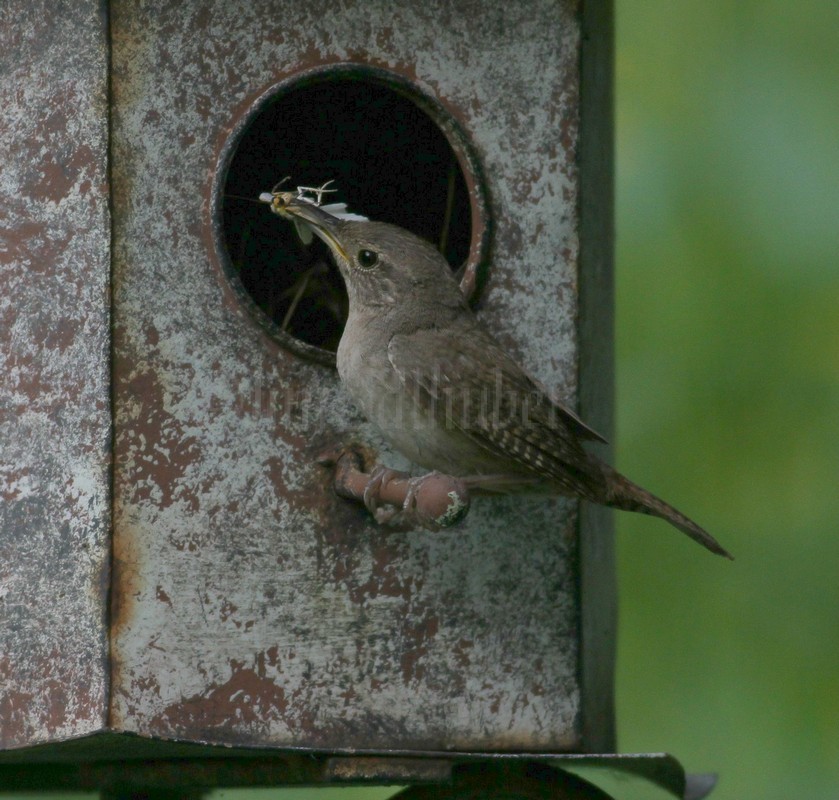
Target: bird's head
{"x":382,"y":264}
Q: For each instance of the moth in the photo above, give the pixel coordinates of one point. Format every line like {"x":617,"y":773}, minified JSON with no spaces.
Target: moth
{"x":279,"y":201}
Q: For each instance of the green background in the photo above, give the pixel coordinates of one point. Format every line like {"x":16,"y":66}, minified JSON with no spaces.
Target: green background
{"x":728,"y":387}
{"x":728,"y":392}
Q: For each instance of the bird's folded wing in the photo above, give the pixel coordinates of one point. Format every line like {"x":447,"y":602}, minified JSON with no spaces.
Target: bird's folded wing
{"x":474,"y":386}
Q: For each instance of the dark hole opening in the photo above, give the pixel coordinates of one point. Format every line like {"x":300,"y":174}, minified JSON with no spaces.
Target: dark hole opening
{"x":388,"y":159}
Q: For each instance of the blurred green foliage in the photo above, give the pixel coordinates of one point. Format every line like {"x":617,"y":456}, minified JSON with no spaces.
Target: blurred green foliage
{"x":728,"y":387}
{"x":728,"y":392}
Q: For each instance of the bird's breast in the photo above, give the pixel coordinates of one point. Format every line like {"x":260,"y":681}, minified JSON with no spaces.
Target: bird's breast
{"x":380,"y":394}
{"x":367,"y":373}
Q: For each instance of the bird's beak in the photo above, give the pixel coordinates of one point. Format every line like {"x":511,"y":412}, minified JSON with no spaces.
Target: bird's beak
{"x":324,"y":225}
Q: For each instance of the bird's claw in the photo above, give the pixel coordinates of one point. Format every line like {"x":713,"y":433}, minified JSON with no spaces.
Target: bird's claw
{"x":407,"y":517}
{"x":380,"y":477}
{"x":395,"y":499}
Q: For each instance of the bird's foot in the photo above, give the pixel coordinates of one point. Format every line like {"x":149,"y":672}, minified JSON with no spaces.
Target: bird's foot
{"x":396,"y":499}
{"x":377,"y":484}
{"x":433,"y":501}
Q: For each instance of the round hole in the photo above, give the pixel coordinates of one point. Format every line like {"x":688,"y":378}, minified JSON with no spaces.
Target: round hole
{"x":392,"y":154}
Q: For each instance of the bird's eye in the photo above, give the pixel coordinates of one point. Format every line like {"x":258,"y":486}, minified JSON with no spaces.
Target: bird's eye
{"x":367,"y":258}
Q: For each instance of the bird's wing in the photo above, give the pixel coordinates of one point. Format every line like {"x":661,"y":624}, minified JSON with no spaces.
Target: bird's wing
{"x":474,"y":386}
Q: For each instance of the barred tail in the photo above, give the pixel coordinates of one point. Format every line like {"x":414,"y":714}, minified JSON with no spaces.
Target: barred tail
{"x":626,"y":495}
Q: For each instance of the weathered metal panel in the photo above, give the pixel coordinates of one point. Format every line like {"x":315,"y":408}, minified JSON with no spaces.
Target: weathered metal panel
{"x":251,"y":605}
{"x":54,"y":371}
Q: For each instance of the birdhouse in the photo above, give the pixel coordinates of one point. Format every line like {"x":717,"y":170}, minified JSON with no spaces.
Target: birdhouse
{"x":179,"y":579}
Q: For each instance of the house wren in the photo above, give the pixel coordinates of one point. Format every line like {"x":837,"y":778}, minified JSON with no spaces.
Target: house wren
{"x":441,"y":389}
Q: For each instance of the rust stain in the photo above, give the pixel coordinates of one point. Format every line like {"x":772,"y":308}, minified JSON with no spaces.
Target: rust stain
{"x":161,"y":595}
{"x":35,"y":245}
{"x":59,"y":177}
{"x":416,"y":649}
{"x":246,"y":698}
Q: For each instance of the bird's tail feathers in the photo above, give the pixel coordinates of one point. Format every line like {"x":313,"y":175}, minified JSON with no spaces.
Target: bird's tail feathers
{"x":628,"y":496}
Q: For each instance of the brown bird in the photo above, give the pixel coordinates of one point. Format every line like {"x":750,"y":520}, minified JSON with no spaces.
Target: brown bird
{"x":423,"y":369}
